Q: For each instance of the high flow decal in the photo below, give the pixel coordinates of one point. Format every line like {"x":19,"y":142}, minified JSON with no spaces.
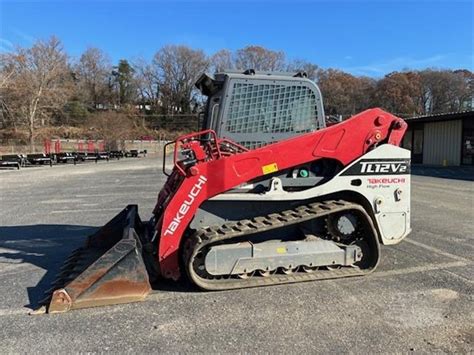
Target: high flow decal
{"x":379,"y":167}
{"x":184,"y":208}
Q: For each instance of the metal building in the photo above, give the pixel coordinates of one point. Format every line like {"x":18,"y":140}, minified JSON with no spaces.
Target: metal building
{"x":443,"y":139}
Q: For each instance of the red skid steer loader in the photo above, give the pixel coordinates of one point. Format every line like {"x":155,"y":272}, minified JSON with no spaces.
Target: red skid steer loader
{"x":266,"y":194}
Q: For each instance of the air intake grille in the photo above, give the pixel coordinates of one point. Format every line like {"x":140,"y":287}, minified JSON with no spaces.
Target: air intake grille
{"x":268,"y":108}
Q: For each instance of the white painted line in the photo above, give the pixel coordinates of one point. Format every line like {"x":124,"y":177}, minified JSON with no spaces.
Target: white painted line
{"x":411,"y":270}
{"x":436,"y":250}
{"x":459,"y":276}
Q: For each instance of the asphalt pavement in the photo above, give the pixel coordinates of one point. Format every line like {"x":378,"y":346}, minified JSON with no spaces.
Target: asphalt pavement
{"x":420,"y":299}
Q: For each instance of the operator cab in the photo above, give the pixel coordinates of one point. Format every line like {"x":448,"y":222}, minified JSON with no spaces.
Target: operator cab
{"x":258,"y":108}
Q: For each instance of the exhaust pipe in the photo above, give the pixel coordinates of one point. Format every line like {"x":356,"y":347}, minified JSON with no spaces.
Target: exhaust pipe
{"x":109,"y":269}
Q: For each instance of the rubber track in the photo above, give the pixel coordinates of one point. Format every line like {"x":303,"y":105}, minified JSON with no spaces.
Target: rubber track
{"x":230,"y":230}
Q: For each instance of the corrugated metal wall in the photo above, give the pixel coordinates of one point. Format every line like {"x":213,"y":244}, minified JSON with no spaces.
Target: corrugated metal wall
{"x":442,"y":141}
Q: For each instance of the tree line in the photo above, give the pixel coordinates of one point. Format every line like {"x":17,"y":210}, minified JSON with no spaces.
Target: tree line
{"x":42,"y":85}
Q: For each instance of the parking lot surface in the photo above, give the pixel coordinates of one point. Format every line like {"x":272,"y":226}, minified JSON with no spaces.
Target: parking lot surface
{"x":419,"y":299}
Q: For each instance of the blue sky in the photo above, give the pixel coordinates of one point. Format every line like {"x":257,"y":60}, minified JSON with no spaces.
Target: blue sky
{"x":362,"y":37}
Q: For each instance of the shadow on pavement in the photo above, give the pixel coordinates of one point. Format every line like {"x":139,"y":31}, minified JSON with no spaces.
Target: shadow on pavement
{"x":47,"y":247}
{"x":456,"y":173}
{"x":42,"y":245}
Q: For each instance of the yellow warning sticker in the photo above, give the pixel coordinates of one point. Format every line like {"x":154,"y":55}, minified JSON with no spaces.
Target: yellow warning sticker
{"x":281,"y":250}
{"x":270,"y":168}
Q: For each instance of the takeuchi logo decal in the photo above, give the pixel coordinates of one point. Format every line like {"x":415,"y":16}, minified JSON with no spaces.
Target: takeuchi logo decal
{"x":186,"y":205}
{"x":379,"y":167}
{"x":386,"y":180}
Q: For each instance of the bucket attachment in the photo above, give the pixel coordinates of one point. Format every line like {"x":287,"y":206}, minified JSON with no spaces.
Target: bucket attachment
{"x":109,"y":269}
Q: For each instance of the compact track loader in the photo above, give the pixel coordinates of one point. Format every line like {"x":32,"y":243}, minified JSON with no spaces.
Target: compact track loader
{"x":266,"y":194}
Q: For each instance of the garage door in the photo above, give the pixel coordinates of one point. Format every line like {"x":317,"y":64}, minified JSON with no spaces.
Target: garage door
{"x":442,"y":143}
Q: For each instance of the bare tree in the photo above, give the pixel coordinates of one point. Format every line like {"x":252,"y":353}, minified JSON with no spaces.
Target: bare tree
{"x":466,"y":91}
{"x":40,"y":84}
{"x":93,"y":73}
{"x":260,"y":58}
{"x":178,"y":68}
{"x":222,"y":60}
{"x":148,"y":83}
{"x":7,"y":69}
{"x":299,"y":65}
{"x":446,"y":90}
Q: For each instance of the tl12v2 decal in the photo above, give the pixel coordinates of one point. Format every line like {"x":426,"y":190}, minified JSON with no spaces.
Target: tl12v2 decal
{"x":379,"y":167}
